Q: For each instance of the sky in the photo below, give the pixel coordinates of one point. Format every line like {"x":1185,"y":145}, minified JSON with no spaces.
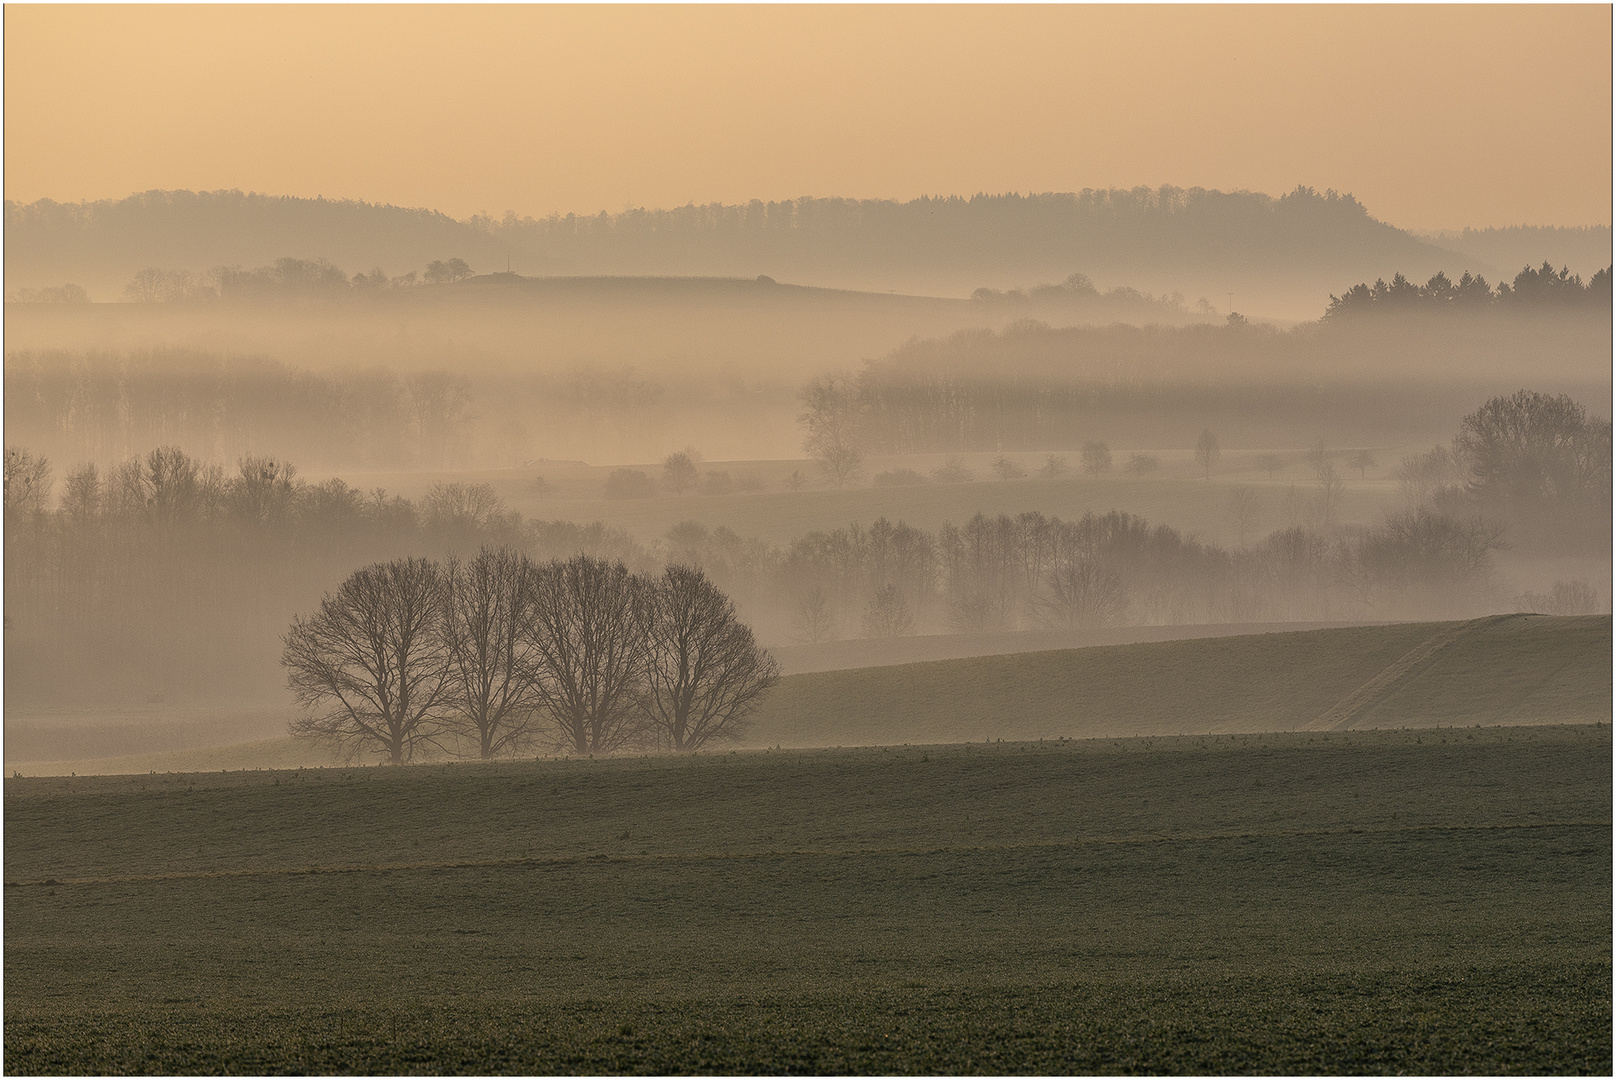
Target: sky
{"x":1435,"y":117}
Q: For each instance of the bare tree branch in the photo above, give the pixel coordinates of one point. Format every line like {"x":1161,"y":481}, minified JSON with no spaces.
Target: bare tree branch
{"x":369,"y":668}
{"x":588,"y":631}
{"x":491,"y":679}
{"x":706,"y":674}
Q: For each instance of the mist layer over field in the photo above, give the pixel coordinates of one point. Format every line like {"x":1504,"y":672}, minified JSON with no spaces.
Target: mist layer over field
{"x":190,"y":468}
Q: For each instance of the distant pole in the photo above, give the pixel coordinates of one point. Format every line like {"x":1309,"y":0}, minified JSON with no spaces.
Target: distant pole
{"x":1231,"y":303}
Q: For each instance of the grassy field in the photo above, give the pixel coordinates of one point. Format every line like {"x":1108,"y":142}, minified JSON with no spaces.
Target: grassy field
{"x":1516,"y":670}
{"x":1521,"y":669}
{"x":1371,"y":902}
{"x":886,"y":652}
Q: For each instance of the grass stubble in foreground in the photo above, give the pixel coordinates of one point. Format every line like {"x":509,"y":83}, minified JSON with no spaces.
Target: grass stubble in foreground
{"x":1433,"y":901}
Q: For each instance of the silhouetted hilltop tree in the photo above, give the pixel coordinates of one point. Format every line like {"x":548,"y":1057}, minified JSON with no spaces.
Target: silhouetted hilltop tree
{"x":284,"y":279}
{"x":1542,"y":289}
{"x":51,"y":294}
{"x":1584,"y":249}
{"x":1077,"y":293}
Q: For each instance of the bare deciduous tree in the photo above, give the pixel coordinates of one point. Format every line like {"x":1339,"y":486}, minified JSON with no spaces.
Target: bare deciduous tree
{"x":1082,"y":593}
{"x":679,"y":472}
{"x":1207,"y":452}
{"x":1421,"y":476}
{"x":27,"y":482}
{"x":1243,"y":504}
{"x":491,"y":677}
{"x":1096,"y":458}
{"x":263,"y":490}
{"x":369,"y":668}
{"x":1318,"y":454}
{"x":441,"y":404}
{"x":887,"y":615}
{"x":461,"y":508}
{"x":705,"y":673}
{"x":813,"y":621}
{"x":588,"y":629}
{"x":1331,"y":493}
{"x":840,"y":462}
{"x":831,"y":416}
{"x":1006,"y":469}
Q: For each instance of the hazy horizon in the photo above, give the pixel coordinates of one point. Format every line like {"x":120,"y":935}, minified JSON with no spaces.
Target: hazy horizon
{"x":1437,"y":118}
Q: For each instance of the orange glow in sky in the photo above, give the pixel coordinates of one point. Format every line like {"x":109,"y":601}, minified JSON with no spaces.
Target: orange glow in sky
{"x":1435,"y":117}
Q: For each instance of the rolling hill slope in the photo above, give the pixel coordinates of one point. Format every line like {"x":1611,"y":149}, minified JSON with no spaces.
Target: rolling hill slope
{"x":1503,"y":670}
{"x":1522,"y":669}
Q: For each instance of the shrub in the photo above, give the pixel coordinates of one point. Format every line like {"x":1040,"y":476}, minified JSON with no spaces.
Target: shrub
{"x":1005,"y":469}
{"x":629,"y":484}
{"x":899,"y":478}
{"x":1096,"y":458}
{"x":1139,"y":464}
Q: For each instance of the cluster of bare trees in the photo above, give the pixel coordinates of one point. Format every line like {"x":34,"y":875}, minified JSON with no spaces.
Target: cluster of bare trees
{"x":499,"y":653}
{"x":167,"y":575}
{"x":1030,"y":571}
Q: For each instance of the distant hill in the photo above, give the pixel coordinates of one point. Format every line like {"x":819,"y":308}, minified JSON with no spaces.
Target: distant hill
{"x":101,"y":245}
{"x":1278,"y":255}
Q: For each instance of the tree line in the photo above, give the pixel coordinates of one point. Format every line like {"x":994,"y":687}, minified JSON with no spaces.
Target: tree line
{"x":283,"y":279}
{"x":1032,"y":571}
{"x":1032,"y":386}
{"x":1540,"y":289}
{"x":984,"y":228}
{"x":499,"y":654}
{"x":106,"y":405}
{"x":1079,"y":292}
{"x":168,"y":574}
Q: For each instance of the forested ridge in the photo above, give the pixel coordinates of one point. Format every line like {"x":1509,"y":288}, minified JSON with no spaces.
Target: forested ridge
{"x":100,"y":245}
